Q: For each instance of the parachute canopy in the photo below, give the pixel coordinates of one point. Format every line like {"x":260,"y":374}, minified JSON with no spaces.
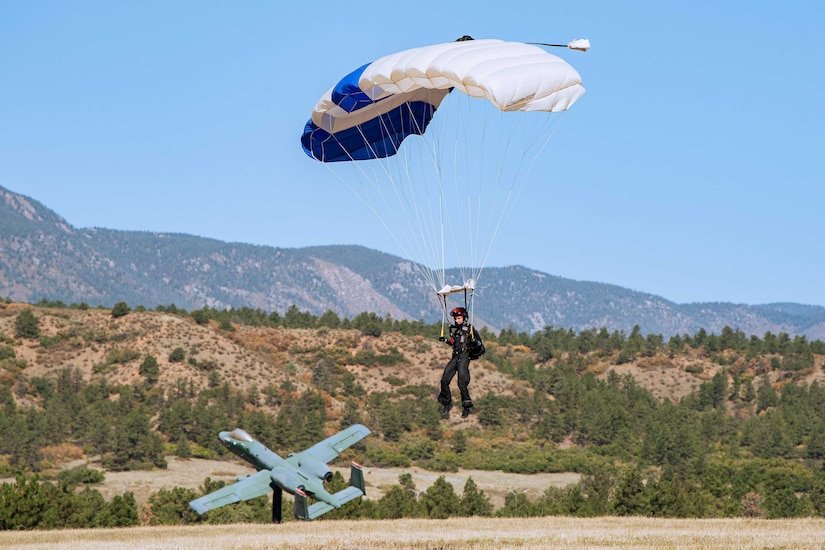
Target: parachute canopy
{"x":444,"y":197}
{"x":373,"y":109}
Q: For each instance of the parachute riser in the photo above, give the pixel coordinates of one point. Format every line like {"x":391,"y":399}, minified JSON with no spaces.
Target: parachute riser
{"x":443,"y":301}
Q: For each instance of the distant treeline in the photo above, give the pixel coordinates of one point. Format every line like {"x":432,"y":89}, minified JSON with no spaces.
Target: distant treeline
{"x":545,"y":342}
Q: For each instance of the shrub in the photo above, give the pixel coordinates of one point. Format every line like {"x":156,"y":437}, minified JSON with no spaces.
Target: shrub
{"x":81,"y":474}
{"x":121,"y":356}
{"x":177,"y":355}
{"x":200,"y":316}
{"x":384,"y":457}
{"x":369,"y":358}
{"x":7,"y":352}
{"x":120,"y":309}
{"x":26,"y":325}
{"x":394,"y":381}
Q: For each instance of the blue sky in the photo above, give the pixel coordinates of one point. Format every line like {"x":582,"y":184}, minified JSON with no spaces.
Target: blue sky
{"x":691,"y":169}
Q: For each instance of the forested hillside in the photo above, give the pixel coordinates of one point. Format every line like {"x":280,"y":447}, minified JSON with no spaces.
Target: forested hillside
{"x":693,"y":425}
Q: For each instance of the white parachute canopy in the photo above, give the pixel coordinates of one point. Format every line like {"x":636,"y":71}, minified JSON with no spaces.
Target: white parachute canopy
{"x":444,"y":193}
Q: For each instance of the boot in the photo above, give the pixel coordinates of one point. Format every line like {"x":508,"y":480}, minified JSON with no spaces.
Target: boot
{"x":445,"y":410}
{"x":467,"y":405}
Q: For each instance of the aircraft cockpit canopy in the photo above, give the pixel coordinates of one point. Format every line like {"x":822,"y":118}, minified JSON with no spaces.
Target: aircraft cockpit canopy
{"x":240,"y":435}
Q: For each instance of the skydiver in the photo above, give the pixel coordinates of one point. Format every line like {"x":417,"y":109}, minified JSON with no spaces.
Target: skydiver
{"x":467,"y":345}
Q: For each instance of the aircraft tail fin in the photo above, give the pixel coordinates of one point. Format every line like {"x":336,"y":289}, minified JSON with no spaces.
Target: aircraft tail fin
{"x":356,"y":478}
{"x":301,"y":509}
{"x":304,"y":512}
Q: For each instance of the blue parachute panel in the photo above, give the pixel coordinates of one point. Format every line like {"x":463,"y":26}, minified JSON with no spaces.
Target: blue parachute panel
{"x":347,"y":95}
{"x":379,"y":137}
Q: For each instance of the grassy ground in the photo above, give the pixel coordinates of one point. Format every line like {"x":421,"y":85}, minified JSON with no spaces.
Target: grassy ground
{"x":457,"y":533}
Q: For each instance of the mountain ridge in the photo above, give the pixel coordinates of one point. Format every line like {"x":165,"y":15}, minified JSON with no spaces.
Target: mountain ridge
{"x":43,"y":256}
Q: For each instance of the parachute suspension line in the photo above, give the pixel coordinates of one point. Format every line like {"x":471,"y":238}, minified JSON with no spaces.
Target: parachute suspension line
{"x":434,"y":143}
{"x":423,"y":256}
{"x":497,"y":182}
{"x":371,"y":206}
{"x":479,"y":197}
{"x":474,"y":221}
{"x":554,"y":126}
{"x":455,"y":242}
{"x":432,"y":150}
{"x":477,"y":162}
{"x":450,"y":133}
{"x":408,"y":200}
{"x":513,"y":192}
{"x":435,"y":230}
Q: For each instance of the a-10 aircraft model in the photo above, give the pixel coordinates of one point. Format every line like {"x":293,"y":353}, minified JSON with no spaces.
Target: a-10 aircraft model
{"x":300,"y":474}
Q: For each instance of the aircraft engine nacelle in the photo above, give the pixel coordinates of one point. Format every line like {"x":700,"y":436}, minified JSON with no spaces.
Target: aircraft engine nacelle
{"x":285,"y":479}
{"x":316,"y":468}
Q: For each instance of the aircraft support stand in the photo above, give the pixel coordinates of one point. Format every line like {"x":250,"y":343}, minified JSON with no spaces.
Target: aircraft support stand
{"x":277,"y":503}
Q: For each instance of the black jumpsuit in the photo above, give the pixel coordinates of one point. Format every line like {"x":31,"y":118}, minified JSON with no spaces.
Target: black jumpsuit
{"x":460,"y":362}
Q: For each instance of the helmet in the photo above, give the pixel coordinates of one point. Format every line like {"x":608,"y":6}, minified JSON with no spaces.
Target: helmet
{"x":459,"y":311}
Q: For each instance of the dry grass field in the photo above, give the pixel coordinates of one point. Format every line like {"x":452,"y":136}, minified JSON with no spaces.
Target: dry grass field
{"x":458,"y":533}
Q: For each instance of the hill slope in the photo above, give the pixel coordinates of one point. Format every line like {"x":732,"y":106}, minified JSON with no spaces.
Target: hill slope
{"x":43,"y":256}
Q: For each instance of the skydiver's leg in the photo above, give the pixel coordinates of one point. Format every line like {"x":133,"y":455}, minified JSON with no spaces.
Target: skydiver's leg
{"x":445,"y":397}
{"x":464,"y":381}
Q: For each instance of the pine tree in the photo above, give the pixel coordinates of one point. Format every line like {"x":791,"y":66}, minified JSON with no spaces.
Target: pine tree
{"x":817,"y":494}
{"x":474,"y":502}
{"x":766,"y":396}
{"x":517,"y":505}
{"x":630,"y":495}
{"x":136,"y":445}
{"x":400,"y":501}
{"x":122,"y":511}
{"x":440,"y":500}
{"x":149,"y":370}
{"x":22,"y":504}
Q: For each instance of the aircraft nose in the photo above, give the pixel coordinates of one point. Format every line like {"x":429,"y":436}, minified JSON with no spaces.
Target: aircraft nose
{"x":224,"y":437}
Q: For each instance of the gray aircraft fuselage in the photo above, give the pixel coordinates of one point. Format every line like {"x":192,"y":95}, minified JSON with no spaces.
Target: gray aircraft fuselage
{"x":286,"y":473}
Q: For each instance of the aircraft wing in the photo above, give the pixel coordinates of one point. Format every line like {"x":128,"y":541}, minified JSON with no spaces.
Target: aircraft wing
{"x":249,"y":487}
{"x":334,"y":445}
